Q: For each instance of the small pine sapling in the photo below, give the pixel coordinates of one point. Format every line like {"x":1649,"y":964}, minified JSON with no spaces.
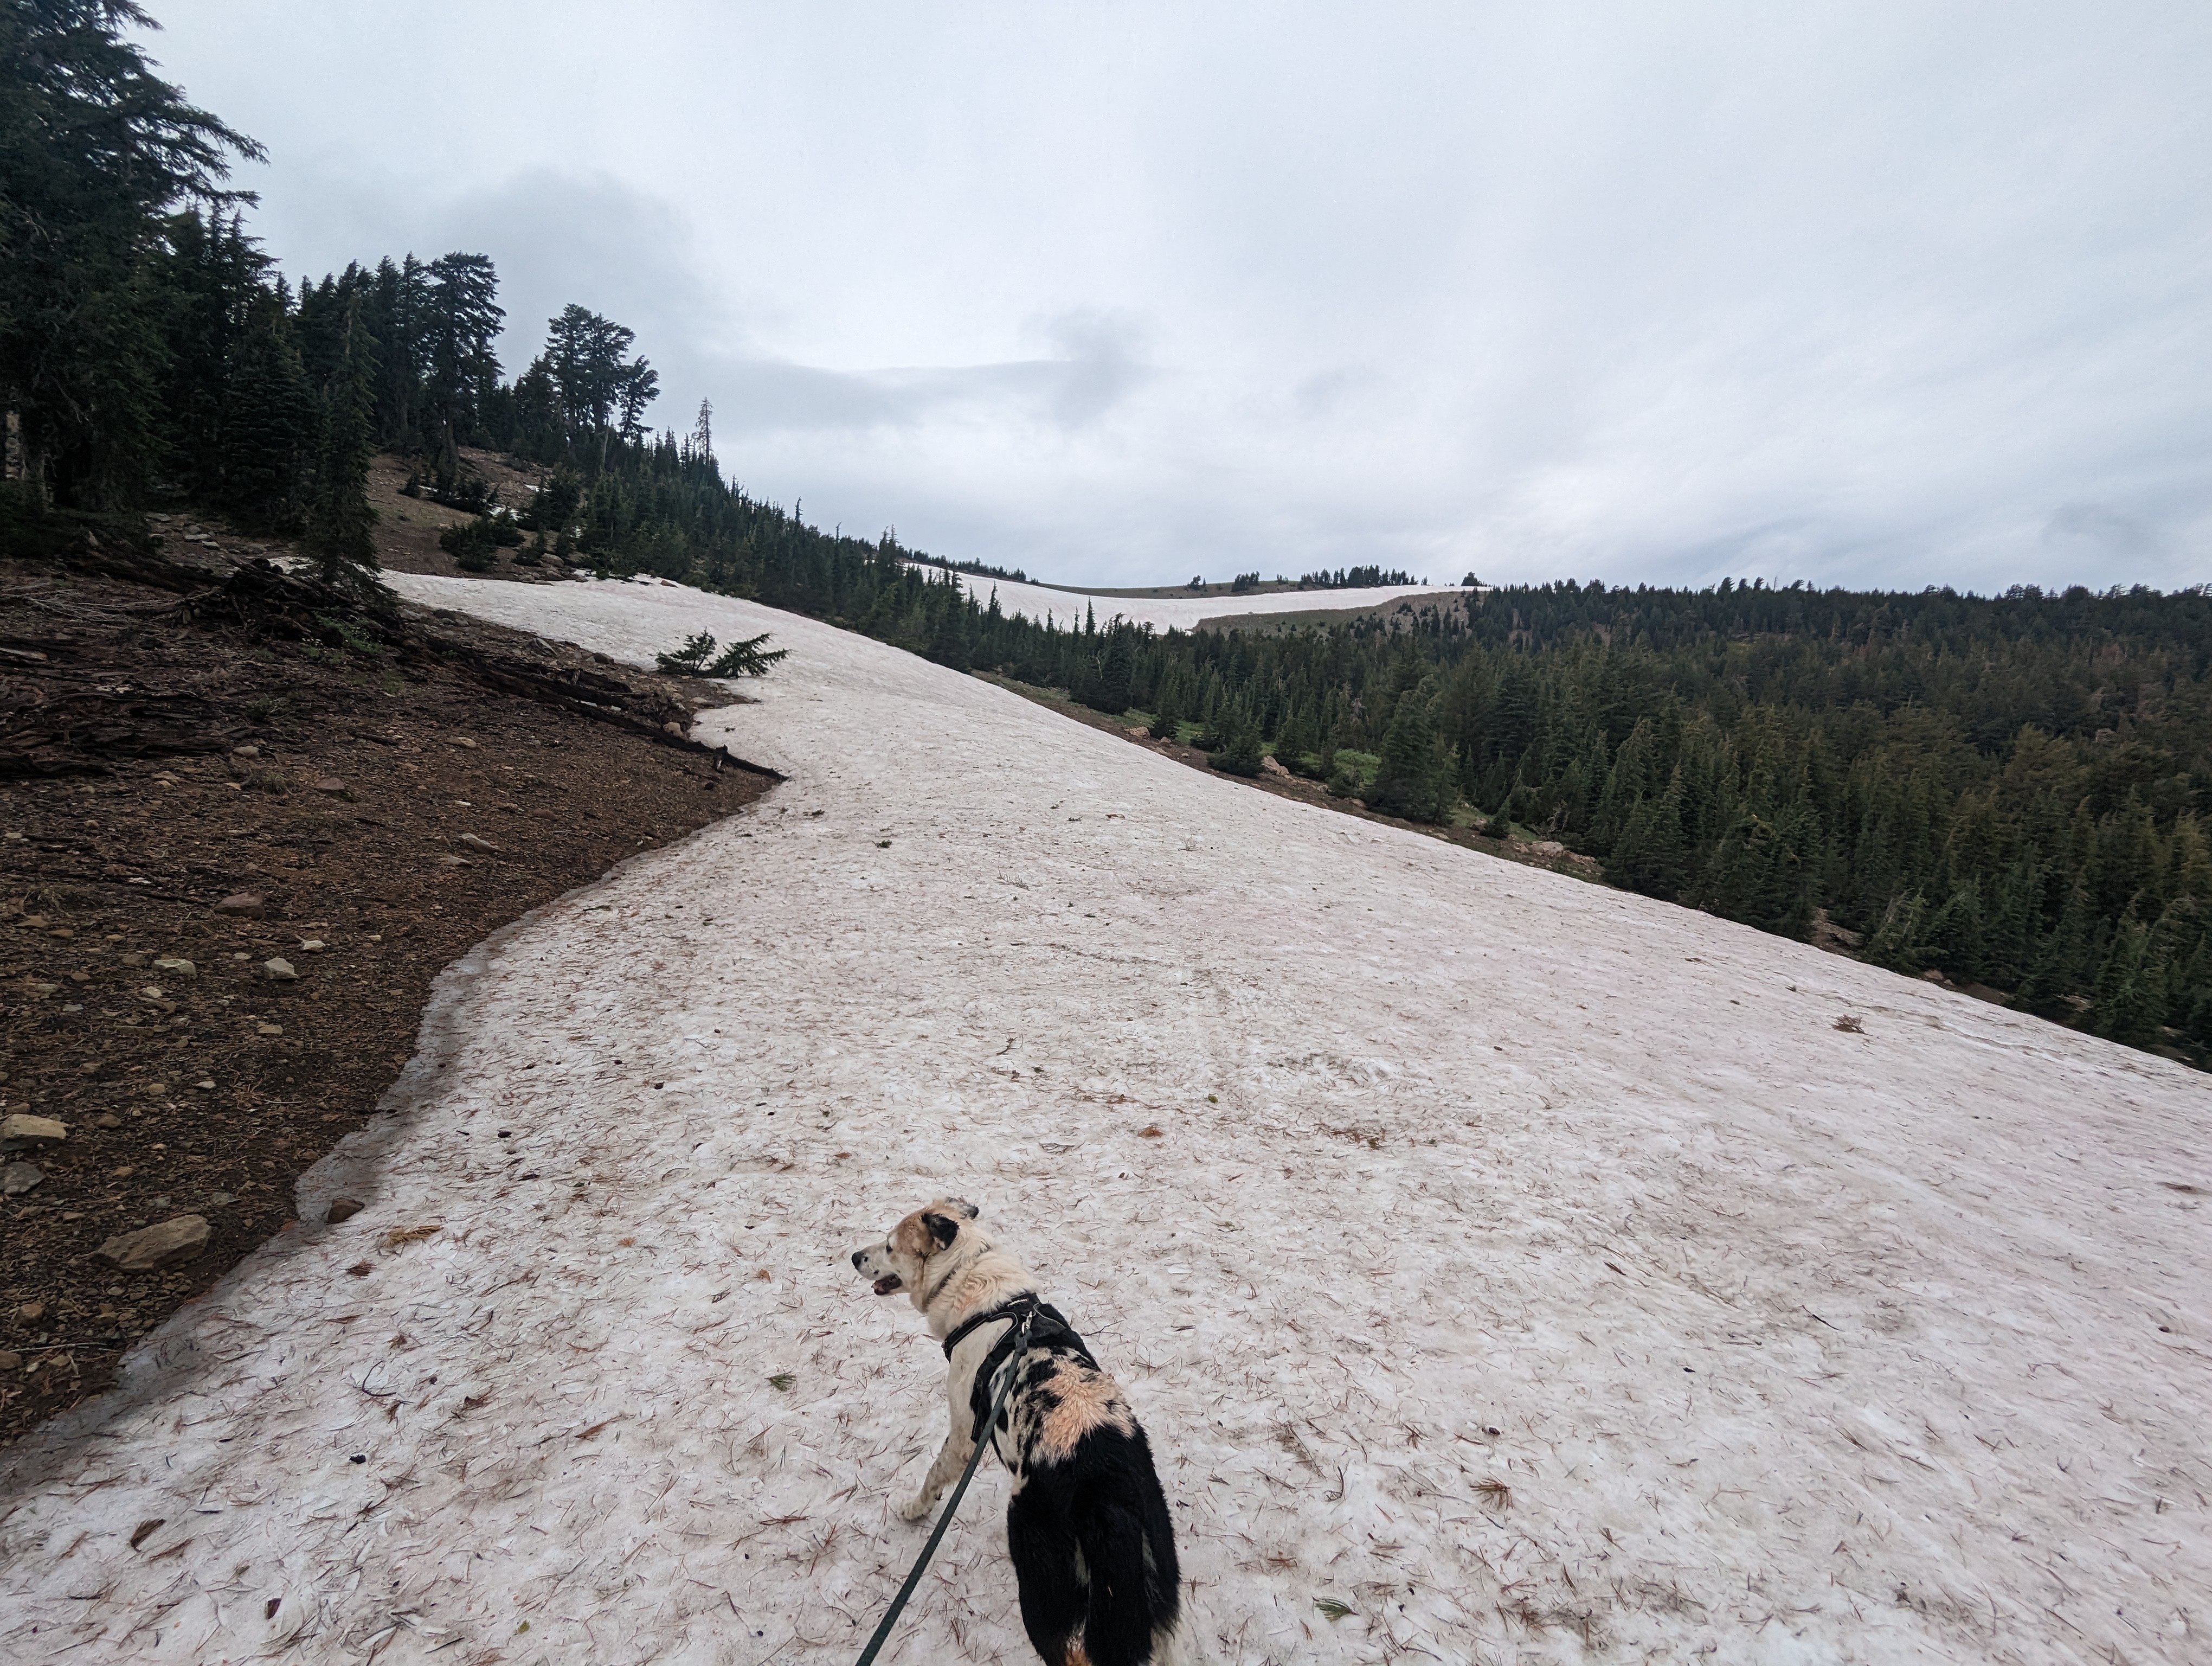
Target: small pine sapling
{"x":747,"y":658}
{"x":1240,"y":752}
{"x":471,"y":545}
{"x":687,"y":659}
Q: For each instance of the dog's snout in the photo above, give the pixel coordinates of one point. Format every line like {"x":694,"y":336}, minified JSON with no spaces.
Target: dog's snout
{"x":857,"y":1255}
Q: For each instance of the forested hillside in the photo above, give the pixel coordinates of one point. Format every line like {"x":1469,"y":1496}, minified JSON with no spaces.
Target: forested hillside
{"x":2007,"y":790}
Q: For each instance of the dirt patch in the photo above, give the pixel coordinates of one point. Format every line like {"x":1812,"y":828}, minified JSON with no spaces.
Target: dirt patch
{"x":389,"y":800}
{"x":407,"y":528}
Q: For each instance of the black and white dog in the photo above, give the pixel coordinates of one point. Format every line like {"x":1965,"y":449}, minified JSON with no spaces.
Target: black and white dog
{"x":1088,"y":1526}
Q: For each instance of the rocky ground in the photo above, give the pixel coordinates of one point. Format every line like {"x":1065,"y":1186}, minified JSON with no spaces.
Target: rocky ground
{"x":235,"y":858}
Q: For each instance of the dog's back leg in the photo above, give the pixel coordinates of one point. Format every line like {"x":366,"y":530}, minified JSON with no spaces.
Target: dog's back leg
{"x":1124,"y":1616}
{"x":1048,"y":1566}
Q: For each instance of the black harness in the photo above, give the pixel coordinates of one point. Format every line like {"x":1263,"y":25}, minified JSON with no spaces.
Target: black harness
{"x":1047,"y":1326}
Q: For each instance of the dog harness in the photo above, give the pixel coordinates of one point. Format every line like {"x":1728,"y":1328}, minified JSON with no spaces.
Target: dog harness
{"x":1047,"y":1327}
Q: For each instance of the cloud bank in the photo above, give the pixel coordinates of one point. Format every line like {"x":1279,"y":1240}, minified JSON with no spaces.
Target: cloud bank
{"x":1903,"y":294}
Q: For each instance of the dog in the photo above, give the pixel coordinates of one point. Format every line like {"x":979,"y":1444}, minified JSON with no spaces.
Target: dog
{"x":1087,"y":1527}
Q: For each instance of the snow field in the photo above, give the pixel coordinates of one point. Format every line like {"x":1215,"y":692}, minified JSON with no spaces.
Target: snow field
{"x":1530,"y":1269}
{"x":1066,"y":607}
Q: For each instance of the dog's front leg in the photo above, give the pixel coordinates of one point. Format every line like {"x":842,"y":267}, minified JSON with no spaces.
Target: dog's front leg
{"x":959,"y":1412}
{"x":951,"y":1458}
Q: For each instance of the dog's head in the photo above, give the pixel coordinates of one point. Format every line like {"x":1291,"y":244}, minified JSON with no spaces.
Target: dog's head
{"x":897,"y":1263}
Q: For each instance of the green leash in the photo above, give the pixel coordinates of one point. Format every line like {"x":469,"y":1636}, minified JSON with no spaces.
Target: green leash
{"x":890,"y":1617}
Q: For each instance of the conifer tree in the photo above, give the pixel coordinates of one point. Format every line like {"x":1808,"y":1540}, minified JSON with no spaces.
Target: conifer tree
{"x":1411,"y":780}
{"x":1111,"y":694}
{"x":2128,"y":1001}
{"x":95,"y":149}
{"x":462,"y":318}
{"x":1167,"y":721}
{"x":338,"y":537}
{"x":1239,"y":753}
{"x":268,"y":421}
{"x":2062,"y":958}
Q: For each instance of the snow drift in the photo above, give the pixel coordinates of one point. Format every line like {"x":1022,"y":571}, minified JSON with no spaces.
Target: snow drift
{"x":1507,"y":1266}
{"x":1067,"y":607}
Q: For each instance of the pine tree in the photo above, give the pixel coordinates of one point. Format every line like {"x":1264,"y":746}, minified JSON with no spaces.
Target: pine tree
{"x":338,"y":537}
{"x":1239,"y":753}
{"x":1649,"y":855}
{"x":2127,"y":1002}
{"x":268,"y":421}
{"x":207,"y":278}
{"x":1110,"y":694}
{"x":1411,"y":780}
{"x":1167,"y":722}
{"x":747,"y":657}
{"x":2063,"y":957}
{"x":1294,"y":746}
{"x":94,"y":150}
{"x":462,"y":318}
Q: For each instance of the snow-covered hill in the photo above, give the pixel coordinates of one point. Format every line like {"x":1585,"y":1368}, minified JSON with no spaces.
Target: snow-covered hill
{"x":1532,"y":1269}
{"x":1067,"y":607}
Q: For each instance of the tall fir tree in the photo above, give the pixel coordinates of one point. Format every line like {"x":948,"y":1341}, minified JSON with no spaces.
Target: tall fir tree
{"x":268,"y":421}
{"x":1412,"y":780}
{"x":339,"y":537}
{"x":95,"y":149}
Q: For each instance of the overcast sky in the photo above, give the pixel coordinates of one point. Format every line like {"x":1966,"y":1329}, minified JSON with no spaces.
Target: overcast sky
{"x":1886,"y":294}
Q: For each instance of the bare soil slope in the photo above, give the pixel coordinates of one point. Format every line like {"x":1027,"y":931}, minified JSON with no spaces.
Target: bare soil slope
{"x":387,"y":804}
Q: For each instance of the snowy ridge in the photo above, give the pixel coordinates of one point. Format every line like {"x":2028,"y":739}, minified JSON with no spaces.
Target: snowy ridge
{"x":1545,"y":1277}
{"x":1066,"y":607}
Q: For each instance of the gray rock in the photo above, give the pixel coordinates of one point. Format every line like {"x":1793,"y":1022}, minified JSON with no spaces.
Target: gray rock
{"x":475,"y":843}
{"x":280,"y":970}
{"x":154,"y":1246}
{"x":250,"y":904}
{"x":329,"y":784}
{"x":18,"y":1130}
{"x":342,"y":1209}
{"x":176,"y":966}
{"x":11,"y":1360}
{"x":19,"y":1177}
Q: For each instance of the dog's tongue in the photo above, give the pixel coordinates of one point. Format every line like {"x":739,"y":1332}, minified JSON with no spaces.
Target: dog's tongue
{"x":889,"y":1282}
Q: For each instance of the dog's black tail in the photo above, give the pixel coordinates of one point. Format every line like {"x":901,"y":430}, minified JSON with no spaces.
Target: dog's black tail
{"x":1135,"y":1599}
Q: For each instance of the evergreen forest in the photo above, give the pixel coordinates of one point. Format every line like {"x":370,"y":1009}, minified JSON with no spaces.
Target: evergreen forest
{"x":2010,"y":790}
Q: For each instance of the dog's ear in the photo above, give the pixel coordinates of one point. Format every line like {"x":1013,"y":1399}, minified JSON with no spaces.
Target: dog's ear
{"x":965,"y":1206}
{"x":943,"y":1228}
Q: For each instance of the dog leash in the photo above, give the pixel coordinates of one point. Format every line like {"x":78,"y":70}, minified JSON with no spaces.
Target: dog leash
{"x":944,"y":1521}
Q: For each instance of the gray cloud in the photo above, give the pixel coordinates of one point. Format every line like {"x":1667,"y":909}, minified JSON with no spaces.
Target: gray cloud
{"x":2106,"y":530}
{"x":1093,"y":371}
